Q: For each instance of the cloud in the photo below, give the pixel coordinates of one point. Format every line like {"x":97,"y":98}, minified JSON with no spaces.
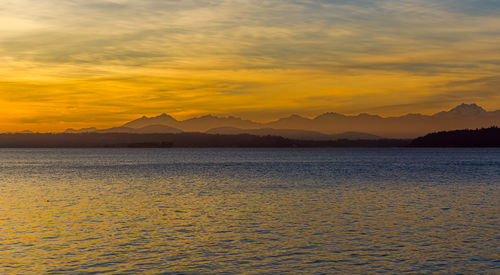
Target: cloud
{"x":490,"y":81}
{"x":216,"y":56}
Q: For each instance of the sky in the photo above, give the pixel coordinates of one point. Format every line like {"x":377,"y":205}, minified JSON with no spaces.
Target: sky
{"x":81,"y":63}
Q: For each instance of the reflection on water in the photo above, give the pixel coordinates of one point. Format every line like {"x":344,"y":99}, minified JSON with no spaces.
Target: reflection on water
{"x":249,"y":210}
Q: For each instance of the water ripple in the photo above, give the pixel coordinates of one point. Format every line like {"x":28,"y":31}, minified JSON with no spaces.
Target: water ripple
{"x":269,"y":211}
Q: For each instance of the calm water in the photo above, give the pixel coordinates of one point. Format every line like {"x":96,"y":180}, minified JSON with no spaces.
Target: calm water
{"x":249,"y":211}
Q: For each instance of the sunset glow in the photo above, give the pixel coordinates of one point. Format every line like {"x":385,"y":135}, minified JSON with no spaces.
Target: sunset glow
{"x":101,"y":63}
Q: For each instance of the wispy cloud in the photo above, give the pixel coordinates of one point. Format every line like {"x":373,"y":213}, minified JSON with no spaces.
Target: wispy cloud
{"x":197,"y":56}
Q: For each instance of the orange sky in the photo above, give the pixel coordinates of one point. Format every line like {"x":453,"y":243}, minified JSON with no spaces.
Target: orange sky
{"x":100,"y":63}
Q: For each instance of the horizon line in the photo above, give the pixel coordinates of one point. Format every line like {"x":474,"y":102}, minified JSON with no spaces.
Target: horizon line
{"x":223,"y":116}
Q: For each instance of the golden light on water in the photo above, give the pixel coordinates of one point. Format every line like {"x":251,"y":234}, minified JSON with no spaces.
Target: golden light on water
{"x":239,"y":210}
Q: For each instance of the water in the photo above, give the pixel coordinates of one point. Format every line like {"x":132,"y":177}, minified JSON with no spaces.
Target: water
{"x":253,"y":211}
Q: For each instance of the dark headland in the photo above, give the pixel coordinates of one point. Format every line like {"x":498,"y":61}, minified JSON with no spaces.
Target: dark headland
{"x":485,"y":137}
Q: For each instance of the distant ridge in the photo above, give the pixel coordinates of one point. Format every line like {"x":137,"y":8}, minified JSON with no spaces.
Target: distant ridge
{"x":292,"y":134}
{"x":83,"y":130}
{"x":179,"y":140}
{"x":331,"y":125}
{"x":148,"y":129}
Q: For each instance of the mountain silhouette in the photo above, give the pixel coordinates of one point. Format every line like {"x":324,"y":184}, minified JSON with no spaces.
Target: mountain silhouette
{"x":197,"y":124}
{"x":464,"y":116}
{"x":463,"y":110}
{"x":144,"y":121}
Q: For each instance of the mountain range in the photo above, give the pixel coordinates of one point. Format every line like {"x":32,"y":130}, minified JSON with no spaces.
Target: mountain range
{"x":328,"y":126}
